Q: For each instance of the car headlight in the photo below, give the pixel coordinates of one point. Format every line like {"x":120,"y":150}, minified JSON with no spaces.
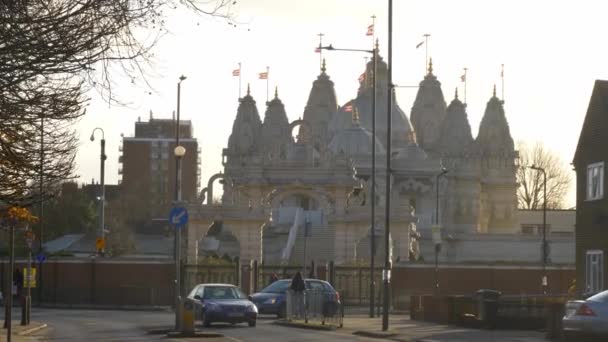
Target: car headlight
{"x":271,"y":301}
{"x":252,"y":308}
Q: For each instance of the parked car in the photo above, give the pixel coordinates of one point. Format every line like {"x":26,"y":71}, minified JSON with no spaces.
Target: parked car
{"x":587,"y":317}
{"x":272,"y":299}
{"x":222,"y":303}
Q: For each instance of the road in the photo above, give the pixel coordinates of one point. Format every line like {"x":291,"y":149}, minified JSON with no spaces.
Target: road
{"x":106,"y":325}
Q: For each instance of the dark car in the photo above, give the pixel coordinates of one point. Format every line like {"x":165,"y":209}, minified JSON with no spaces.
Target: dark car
{"x":222,"y":303}
{"x":272,"y":299}
{"x":587,"y":317}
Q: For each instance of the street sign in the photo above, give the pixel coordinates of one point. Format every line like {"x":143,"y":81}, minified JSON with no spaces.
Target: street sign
{"x":178,"y":217}
{"x":40,"y":257}
{"x":29,"y":280}
{"x":100,"y":243}
{"x":436,"y":230}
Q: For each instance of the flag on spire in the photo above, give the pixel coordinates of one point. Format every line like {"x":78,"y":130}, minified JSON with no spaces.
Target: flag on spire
{"x":419,"y":44}
{"x":463,"y":78}
{"x":236,"y":72}
{"x":318,"y":49}
{"x":370,"y":30}
{"x":263,"y":75}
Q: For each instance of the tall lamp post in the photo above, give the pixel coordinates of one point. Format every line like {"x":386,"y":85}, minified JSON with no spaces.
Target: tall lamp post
{"x":179,"y":153}
{"x":386,"y":274}
{"x":372,"y":286}
{"x":437,"y":228}
{"x":544,"y":282}
{"x":102,"y":191}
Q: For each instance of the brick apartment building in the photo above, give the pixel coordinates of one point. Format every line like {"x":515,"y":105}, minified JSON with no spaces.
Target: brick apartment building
{"x":149,"y":168}
{"x":589,"y":162}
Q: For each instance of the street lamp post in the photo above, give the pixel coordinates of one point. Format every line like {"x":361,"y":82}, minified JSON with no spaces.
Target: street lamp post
{"x":102,"y":191}
{"x":437,"y":238}
{"x":372,"y":287}
{"x":386,"y":274}
{"x":544,"y":282}
{"x":179,"y":153}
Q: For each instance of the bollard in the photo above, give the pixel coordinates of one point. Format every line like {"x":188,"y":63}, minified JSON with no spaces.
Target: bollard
{"x":187,"y":323}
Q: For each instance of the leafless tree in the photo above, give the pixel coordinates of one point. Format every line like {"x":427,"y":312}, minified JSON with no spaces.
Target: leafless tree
{"x":530,"y":192}
{"x":52,"y":52}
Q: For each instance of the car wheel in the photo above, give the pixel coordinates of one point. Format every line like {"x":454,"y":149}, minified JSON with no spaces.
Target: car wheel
{"x":252,"y":323}
{"x":205,"y":320}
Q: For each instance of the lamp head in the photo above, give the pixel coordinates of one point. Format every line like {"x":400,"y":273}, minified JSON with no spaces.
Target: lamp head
{"x":179,"y":151}
{"x":182,"y":77}
{"x":92,"y":137}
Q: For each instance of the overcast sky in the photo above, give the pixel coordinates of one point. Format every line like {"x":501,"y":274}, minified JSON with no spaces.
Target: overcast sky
{"x":552,"y":52}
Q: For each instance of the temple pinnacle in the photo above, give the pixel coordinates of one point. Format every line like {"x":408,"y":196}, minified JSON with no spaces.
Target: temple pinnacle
{"x":276,"y":92}
{"x":430,"y":65}
{"x":323,"y":66}
{"x":248,"y":90}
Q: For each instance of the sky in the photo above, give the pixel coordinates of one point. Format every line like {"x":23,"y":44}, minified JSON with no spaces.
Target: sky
{"x":552,"y":52}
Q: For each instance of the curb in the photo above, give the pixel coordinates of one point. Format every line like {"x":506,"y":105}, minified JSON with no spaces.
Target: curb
{"x":305,"y":325}
{"x":32,"y":330}
{"x":376,"y":334}
{"x":178,"y":334}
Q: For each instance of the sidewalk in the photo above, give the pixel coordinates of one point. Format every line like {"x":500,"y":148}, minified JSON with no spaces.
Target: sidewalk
{"x":401,"y":328}
{"x":19,"y":332}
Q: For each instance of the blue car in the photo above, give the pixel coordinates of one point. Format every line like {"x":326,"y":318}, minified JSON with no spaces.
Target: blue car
{"x":222,"y":303}
{"x":272,"y":301}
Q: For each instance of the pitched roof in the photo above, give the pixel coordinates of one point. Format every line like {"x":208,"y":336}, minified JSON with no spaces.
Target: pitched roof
{"x":595,"y":126}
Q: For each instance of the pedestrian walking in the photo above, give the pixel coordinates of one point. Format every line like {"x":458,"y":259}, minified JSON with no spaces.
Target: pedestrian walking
{"x":298,"y":286}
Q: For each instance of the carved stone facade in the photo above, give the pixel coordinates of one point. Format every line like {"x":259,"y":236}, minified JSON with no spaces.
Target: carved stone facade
{"x":325,"y":171}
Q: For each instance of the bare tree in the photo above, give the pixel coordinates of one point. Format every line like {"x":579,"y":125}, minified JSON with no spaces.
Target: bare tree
{"x":52,"y":52}
{"x":530,"y":192}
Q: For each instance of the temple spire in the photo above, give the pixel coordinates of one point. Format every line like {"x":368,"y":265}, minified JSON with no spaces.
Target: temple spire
{"x":430,"y":65}
{"x":248,"y":90}
{"x":276,"y":92}
{"x":494,"y":91}
{"x":323,"y":68}
{"x":456,"y":94}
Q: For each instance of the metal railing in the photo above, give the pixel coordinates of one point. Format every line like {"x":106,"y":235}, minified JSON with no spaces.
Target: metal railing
{"x":314,"y":306}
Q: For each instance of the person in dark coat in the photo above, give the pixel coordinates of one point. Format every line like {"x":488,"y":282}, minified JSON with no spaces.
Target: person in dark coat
{"x":18,"y":281}
{"x":297,"y":283}
{"x":298,"y":286}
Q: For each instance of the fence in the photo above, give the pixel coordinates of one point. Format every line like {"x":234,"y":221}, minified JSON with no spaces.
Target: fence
{"x":122,"y":282}
{"x":314,"y":306}
{"x":197,"y":274}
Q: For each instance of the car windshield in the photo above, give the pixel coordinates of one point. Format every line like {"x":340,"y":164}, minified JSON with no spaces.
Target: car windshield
{"x":600,"y":297}
{"x":279,"y":286}
{"x":222,"y":292}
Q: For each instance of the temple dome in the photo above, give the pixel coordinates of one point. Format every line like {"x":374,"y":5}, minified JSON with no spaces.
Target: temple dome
{"x":355,"y":141}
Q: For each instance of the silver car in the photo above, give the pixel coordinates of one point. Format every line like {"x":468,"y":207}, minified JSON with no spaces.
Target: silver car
{"x":586,"y":318}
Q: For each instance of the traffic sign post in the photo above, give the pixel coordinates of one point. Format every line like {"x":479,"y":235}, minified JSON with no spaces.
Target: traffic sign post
{"x":178,"y":217}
